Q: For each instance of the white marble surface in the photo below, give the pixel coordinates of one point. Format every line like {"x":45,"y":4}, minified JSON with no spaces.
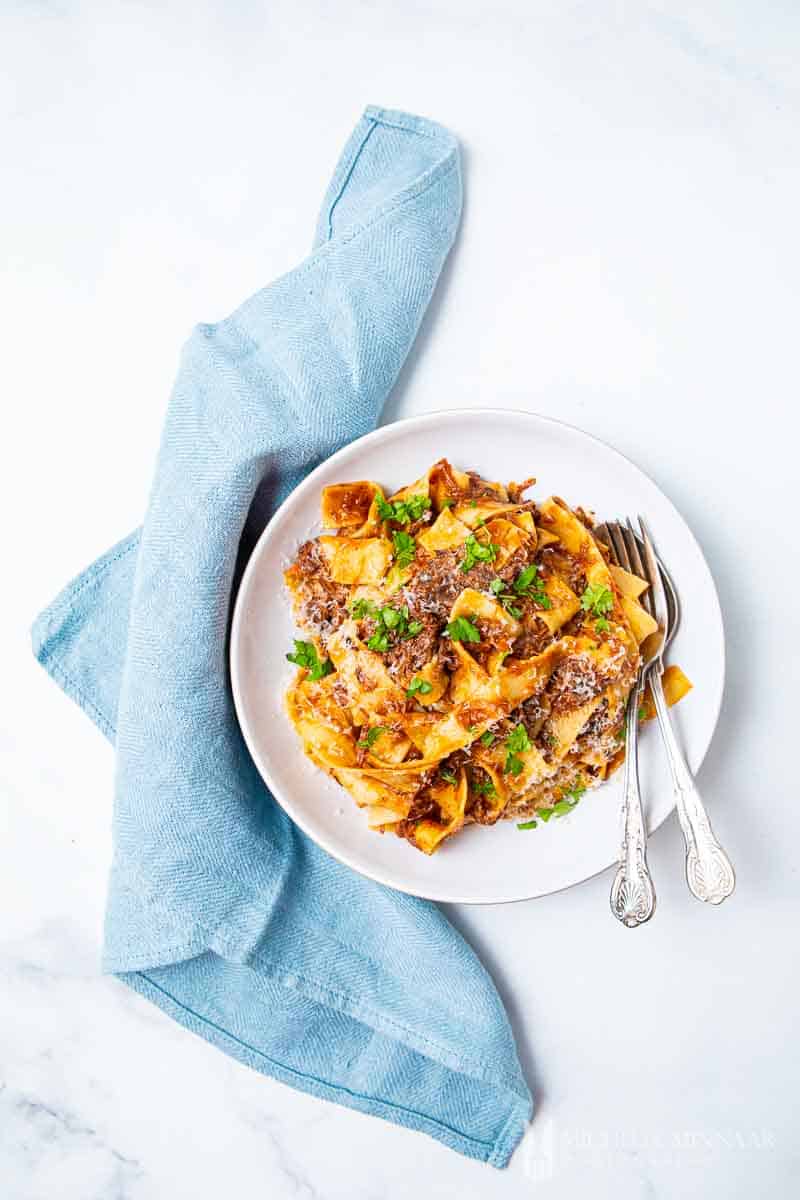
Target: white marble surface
{"x":628,"y":262}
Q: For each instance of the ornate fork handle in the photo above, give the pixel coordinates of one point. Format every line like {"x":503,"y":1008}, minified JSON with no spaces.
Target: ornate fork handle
{"x":633,"y":897}
{"x":708,"y":869}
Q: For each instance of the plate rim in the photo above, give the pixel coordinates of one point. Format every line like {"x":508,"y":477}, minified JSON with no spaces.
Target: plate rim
{"x":377,"y":435}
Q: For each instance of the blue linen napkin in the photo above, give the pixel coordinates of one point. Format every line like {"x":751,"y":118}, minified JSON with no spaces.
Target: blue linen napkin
{"x":219,"y":909}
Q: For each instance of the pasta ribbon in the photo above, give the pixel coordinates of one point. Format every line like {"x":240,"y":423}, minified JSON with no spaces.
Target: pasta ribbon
{"x":470,"y":653}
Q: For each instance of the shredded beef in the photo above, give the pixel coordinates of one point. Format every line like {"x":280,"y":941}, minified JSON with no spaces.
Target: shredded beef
{"x":406,"y":657}
{"x":323,"y":603}
{"x":437,"y":580}
{"x":424,"y":808}
{"x":573,"y":683}
{"x":598,"y":723}
{"x":569,"y":566}
{"x":534,"y":711}
{"x":533,"y":640}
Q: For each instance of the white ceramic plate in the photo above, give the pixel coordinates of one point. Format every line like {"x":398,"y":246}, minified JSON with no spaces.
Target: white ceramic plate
{"x":500,"y":863}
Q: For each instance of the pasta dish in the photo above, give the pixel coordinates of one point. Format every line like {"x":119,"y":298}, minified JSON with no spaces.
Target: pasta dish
{"x":467,"y":656}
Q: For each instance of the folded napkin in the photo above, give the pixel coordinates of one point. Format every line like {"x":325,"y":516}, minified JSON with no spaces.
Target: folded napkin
{"x":220,"y":910}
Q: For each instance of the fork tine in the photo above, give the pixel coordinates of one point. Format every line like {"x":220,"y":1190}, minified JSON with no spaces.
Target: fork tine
{"x":618,"y":547}
{"x":638,"y":567}
{"x":658,"y":593}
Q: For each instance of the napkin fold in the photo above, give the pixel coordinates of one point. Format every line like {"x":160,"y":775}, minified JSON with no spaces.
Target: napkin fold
{"x":219,"y":909}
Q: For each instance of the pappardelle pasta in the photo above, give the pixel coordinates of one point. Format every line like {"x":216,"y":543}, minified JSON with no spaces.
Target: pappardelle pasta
{"x":468,"y":654}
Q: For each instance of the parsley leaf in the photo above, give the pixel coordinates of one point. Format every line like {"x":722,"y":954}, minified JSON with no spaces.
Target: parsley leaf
{"x":597,"y":599}
{"x":371,"y":736}
{"x":517,"y":742}
{"x":305,"y":655}
{"x":601,"y":625}
{"x":388,"y":621}
{"x":403,"y":511}
{"x":518,"y":739}
{"x":569,"y":798}
{"x":527,"y":586}
{"x":487,"y":738}
{"x":418,"y":685}
{"x":505,"y":598}
{"x":527,"y":824}
{"x":405,"y":548}
{"x":462,"y":630}
{"x":391,"y":617}
{"x":642,"y":713}
{"x":448,"y":776}
{"x":363,"y":608}
{"x":484,"y":787}
{"x":379,"y":642}
{"x":530,"y":585}
{"x":525,"y":579}
{"x":475,"y":551}
{"x":574,"y":793}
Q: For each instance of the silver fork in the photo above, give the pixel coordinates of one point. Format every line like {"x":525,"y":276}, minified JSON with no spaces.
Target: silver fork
{"x":633,"y":897}
{"x":709,"y":873}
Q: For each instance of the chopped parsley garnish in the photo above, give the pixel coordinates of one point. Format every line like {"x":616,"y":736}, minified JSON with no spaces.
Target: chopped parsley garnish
{"x":620,"y":734}
{"x":473,"y":503}
{"x":597,"y":600}
{"x":388,"y":621}
{"x":363,"y":608}
{"x":305,"y":655}
{"x":402,"y":511}
{"x":462,"y":630}
{"x":601,"y":625}
{"x":418,"y":686}
{"x":530,"y":585}
{"x":516,"y":743}
{"x":527,"y":586}
{"x":487,"y":738}
{"x":525,"y":579}
{"x":575,"y":792}
{"x":484,"y":787}
{"x":527,"y":824}
{"x":405,"y":548}
{"x":569,"y":798}
{"x":475,"y":551}
{"x":447,"y":503}
{"x":642,"y":713}
{"x":448,"y":777}
{"x":371,"y":736}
